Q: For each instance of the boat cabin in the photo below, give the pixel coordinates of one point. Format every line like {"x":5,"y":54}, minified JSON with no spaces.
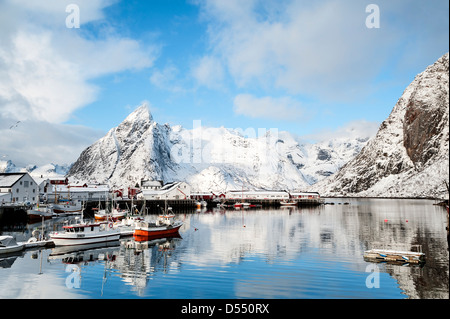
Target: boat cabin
{"x":86,"y":228}
{"x":165,"y":220}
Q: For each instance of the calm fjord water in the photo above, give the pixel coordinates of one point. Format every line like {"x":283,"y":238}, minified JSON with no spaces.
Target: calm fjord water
{"x":278,"y":253}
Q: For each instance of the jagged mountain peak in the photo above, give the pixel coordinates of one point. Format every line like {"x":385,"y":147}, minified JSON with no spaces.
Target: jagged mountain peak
{"x":140,"y":114}
{"x":210,"y":159}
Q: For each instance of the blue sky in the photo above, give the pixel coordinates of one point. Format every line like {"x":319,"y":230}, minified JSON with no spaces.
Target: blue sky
{"x":312,"y":68}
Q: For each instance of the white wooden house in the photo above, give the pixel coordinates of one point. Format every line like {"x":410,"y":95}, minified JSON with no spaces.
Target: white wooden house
{"x":18,"y":188}
{"x":170,"y":191}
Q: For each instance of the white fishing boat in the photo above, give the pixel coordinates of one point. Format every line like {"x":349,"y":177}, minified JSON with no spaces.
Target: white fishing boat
{"x":288,"y":203}
{"x":68,"y":207}
{"x":116,"y":213}
{"x":85,"y":233}
{"x":9,"y":245}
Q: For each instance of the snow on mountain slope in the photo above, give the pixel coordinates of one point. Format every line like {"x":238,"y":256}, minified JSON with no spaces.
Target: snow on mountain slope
{"x":8,"y":167}
{"x":210,"y":159}
{"x":409,"y":156}
{"x":48,"y":170}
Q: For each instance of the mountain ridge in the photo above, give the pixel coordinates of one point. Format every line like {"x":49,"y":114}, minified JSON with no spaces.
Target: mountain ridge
{"x":210,"y":159}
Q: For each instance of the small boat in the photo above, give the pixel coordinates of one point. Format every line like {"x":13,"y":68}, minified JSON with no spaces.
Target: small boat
{"x":34,"y":242}
{"x":164,"y":225}
{"x":241,"y":205}
{"x":127,"y":225}
{"x":36,"y":214}
{"x":116,"y":213}
{"x":288,"y":203}
{"x":85,"y":233}
{"x":9,"y":245}
{"x":68,"y":207}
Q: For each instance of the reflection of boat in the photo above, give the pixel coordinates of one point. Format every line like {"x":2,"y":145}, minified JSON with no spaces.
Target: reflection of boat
{"x":85,"y":233}
{"x":9,"y":245}
{"x":164,"y":225}
{"x":62,"y":252}
{"x":155,"y":238}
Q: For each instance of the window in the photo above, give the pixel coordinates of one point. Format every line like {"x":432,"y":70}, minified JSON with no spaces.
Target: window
{"x":26,"y":183}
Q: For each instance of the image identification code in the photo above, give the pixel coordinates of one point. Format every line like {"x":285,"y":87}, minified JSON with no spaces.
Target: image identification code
{"x":234,"y":308}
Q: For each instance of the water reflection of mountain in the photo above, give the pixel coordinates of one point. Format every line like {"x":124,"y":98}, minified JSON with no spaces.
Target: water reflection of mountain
{"x":339,"y":232}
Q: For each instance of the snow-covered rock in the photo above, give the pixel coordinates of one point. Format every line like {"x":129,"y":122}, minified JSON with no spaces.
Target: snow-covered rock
{"x":8,"y":167}
{"x":209,"y":159}
{"x":48,"y":170}
{"x":409,"y":156}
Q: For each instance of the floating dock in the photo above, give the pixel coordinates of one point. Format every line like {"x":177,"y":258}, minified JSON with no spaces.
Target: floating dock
{"x":396,"y":256}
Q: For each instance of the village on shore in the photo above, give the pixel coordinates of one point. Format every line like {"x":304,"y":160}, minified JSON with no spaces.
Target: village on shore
{"x":21,"y":189}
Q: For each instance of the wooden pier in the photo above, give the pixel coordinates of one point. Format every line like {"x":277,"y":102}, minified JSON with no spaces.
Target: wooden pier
{"x":155,"y":206}
{"x":394,"y":256}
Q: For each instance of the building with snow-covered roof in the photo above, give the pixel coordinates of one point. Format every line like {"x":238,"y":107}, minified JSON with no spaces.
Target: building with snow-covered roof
{"x":83,"y":193}
{"x":155,"y":185}
{"x":18,"y":188}
{"x":170,"y":191}
{"x":256,"y":195}
{"x":305,"y":195}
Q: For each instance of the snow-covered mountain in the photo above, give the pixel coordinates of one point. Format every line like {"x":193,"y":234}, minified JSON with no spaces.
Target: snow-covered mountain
{"x":48,"y":170}
{"x":210,"y":159}
{"x":409,"y":156}
{"x":8,"y":167}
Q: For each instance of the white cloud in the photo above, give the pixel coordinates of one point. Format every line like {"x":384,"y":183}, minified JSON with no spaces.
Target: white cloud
{"x":37,"y":83}
{"x":283,"y":108}
{"x":318,"y":48}
{"x":46,"y":73}
{"x":208,"y":71}
{"x":40,"y":142}
{"x":351,"y":130}
{"x":46,"y":68}
{"x":167,"y":79}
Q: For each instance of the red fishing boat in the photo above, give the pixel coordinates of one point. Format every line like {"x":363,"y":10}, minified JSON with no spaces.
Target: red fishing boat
{"x":164,"y":225}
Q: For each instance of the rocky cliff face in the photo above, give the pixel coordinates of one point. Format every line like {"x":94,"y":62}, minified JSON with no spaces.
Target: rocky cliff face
{"x":210,"y":159}
{"x":409,"y":155}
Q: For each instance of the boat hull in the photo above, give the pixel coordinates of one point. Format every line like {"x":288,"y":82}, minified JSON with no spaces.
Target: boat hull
{"x":156,"y":231}
{"x":67,"y":208}
{"x":11,"y":249}
{"x":78,"y":239}
{"x":37,"y":215}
